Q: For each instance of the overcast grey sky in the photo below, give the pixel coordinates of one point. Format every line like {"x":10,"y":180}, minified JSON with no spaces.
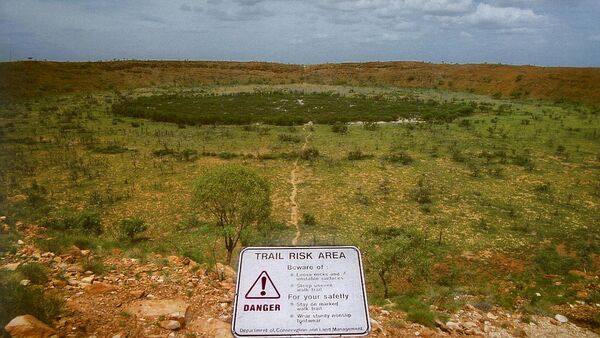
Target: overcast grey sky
{"x":540,"y":32}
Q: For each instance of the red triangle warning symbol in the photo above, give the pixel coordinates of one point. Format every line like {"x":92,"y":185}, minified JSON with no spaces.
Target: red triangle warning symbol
{"x":263,"y":288}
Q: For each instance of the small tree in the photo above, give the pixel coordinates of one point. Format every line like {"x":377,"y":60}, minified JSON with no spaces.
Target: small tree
{"x":396,"y":251}
{"x":237,"y":198}
{"x":130,"y":227}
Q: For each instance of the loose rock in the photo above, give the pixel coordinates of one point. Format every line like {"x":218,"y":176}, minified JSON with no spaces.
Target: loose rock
{"x":11,"y":266}
{"x":212,"y":327}
{"x":454,"y":326}
{"x":28,"y":326}
{"x":561,"y":318}
{"x":88,"y":280}
{"x":150,"y":308}
{"x":170,"y":325}
{"x":99,"y":287}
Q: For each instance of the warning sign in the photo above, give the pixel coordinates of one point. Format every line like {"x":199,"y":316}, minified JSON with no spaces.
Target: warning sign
{"x":300,"y":292}
{"x":263,"y":288}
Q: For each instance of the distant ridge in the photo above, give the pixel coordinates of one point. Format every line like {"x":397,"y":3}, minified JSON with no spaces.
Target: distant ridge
{"x":27,"y":79}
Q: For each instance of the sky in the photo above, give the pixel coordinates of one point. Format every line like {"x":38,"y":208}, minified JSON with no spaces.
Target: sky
{"x":537,"y":32}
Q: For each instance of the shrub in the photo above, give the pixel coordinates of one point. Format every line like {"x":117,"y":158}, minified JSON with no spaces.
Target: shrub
{"x":227,"y":155}
{"x":422,"y":193}
{"x":36,"y":194}
{"x":94,"y":265}
{"x":95,"y":198}
{"x":17,"y":300}
{"x":384,"y":187}
{"x":457,"y":155}
{"x":400,"y":157}
{"x":356,"y":155}
{"x":37,"y":273}
{"x":110,"y":149}
{"x":309,"y":219}
{"x":549,"y":261}
{"x":309,"y":153}
{"x":131,"y":227}
{"x":86,"y":221}
{"x":361,"y":197}
{"x":188,"y":155}
{"x":524,"y":160}
{"x":422,"y":316}
{"x":340,"y":128}
{"x":371,"y":126}
{"x":8,"y":243}
{"x":163,"y":152}
{"x":289,"y":138}
{"x":61,"y":242}
{"x":267,"y":234}
{"x":543,"y":188}
{"x":89,"y":222}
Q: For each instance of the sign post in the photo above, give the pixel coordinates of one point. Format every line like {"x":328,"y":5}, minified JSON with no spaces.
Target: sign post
{"x":300,"y":292}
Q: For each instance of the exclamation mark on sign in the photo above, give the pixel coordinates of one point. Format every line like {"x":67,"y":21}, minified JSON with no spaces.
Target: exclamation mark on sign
{"x":262,"y":288}
{"x":263,"y":282}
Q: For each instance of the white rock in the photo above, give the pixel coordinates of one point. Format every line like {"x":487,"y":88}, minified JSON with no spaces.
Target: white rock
{"x":561,"y":318}
{"x":25,"y":282}
{"x":88,"y":279}
{"x":538,"y":294}
{"x":11,"y":266}
{"x":470,"y":325}
{"x":453,"y":325}
{"x":146,"y":308}
{"x":20,"y":242}
{"x":170,"y":325}
{"x":376,"y":326}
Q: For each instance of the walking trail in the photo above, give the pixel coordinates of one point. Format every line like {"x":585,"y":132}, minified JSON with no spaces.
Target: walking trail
{"x":295,"y":180}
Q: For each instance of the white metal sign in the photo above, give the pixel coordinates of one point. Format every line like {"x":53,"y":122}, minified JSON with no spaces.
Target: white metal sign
{"x":300,"y":291}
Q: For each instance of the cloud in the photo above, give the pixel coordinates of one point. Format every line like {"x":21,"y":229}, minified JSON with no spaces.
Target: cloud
{"x":440,"y":7}
{"x":352,"y":5}
{"x":248,"y":2}
{"x":342,"y":29}
{"x":492,"y":17}
{"x":151,"y":18}
{"x":245,"y":13}
{"x":395,"y":7}
{"x":189,"y":8}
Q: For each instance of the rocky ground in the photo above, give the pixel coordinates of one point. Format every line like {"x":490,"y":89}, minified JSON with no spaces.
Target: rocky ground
{"x":175,"y":297}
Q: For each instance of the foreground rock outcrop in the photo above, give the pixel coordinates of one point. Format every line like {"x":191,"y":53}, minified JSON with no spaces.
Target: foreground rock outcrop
{"x":176,"y":297}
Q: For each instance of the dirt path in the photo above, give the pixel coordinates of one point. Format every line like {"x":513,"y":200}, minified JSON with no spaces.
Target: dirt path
{"x":294,"y":215}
